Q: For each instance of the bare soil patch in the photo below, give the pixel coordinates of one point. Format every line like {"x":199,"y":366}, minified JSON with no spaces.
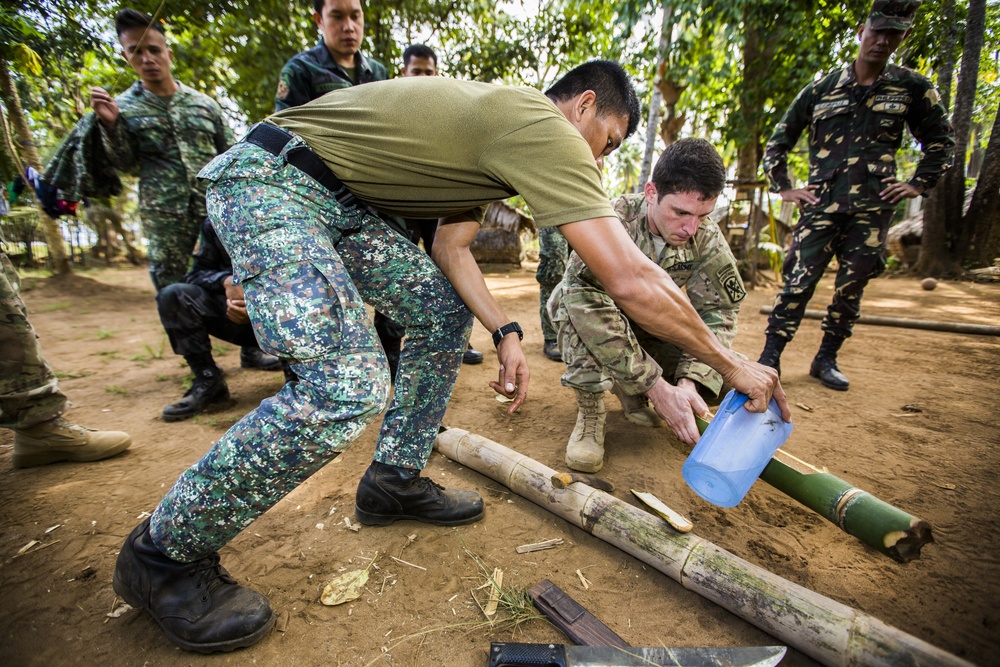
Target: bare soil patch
{"x":100,"y":330}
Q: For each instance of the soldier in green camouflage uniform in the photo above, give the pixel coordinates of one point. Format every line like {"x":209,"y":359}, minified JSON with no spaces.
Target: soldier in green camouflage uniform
{"x":166,"y":132}
{"x":603,"y":349}
{"x":553,"y":254}
{"x":30,"y":400}
{"x":855,"y":118}
{"x":334,"y":62}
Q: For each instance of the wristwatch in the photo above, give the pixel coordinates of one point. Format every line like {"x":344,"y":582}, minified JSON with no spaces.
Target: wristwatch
{"x":510,"y":327}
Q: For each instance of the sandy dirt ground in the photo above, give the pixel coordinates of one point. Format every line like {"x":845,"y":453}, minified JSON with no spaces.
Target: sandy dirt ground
{"x":100,"y":331}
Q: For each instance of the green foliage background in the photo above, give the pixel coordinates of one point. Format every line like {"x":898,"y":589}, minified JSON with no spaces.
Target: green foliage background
{"x":741,"y":60}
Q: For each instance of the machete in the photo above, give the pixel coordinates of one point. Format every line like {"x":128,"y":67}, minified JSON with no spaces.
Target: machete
{"x":504,"y":654}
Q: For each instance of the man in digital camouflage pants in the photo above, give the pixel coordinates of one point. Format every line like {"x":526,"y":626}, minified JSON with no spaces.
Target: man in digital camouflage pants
{"x":294,"y":203}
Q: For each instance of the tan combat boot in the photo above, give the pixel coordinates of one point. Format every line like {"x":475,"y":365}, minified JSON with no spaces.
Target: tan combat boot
{"x":637,"y":409}
{"x":60,"y":440}
{"x":585,"y":451}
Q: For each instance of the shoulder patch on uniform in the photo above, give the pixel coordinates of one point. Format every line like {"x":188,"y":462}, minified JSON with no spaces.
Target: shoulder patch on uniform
{"x":282,"y":90}
{"x":729,"y":278}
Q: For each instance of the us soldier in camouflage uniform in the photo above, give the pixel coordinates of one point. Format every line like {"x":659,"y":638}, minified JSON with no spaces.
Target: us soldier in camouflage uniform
{"x":167,"y":132}
{"x":31,"y":403}
{"x":604,"y":349}
{"x":855,"y":118}
{"x":553,"y":254}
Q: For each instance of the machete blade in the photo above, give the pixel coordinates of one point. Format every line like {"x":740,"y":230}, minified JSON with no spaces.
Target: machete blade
{"x":613,"y":656}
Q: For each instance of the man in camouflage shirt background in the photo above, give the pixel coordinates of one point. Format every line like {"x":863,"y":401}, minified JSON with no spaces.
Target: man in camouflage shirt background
{"x":335,"y":62}
{"x":855,"y":118}
{"x":167,"y":132}
{"x":603,"y":349}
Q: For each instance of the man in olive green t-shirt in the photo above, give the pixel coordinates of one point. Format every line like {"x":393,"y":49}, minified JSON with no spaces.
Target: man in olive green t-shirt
{"x":309,"y":255}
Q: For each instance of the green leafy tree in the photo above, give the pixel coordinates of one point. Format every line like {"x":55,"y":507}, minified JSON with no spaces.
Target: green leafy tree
{"x":18,"y":31}
{"x":745,"y":60}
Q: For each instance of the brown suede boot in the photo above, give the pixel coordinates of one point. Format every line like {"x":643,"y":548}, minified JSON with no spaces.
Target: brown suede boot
{"x":585,"y":450}
{"x":61,"y":440}
{"x":637,"y":409}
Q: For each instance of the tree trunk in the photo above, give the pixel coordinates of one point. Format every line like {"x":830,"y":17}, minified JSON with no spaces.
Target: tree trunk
{"x":984,"y":211}
{"x":965,"y":98}
{"x":947,"y":69}
{"x":755,"y":66}
{"x":29,"y":152}
{"x":946,"y":236}
{"x":654,"y":103}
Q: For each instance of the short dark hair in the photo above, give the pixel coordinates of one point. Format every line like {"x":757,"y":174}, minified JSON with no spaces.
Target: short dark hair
{"x":611,"y":85}
{"x":133,"y":18}
{"x":319,"y":4}
{"x":689,"y":165}
{"x":418,"y":51}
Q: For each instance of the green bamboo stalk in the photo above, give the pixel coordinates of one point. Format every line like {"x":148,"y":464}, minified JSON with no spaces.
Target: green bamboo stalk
{"x":875,"y":522}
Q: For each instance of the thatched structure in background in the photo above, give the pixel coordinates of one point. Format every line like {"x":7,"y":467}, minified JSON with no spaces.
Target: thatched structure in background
{"x":499,"y":239}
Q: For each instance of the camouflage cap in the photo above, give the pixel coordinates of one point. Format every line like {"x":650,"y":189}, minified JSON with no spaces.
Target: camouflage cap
{"x":893,"y":14}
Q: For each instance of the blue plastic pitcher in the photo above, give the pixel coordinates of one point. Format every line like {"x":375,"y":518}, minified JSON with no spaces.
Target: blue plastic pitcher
{"x":734,"y":450}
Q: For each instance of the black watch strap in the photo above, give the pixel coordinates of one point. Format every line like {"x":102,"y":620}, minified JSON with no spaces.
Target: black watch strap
{"x":510,"y":327}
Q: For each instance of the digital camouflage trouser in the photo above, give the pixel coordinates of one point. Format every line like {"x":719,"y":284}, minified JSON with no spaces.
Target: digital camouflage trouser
{"x":172,"y":239}
{"x":553,"y":252}
{"x":857,"y":240}
{"x":29,"y":391}
{"x":307,"y":266}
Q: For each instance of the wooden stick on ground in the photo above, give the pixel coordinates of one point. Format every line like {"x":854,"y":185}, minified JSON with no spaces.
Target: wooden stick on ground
{"x":824,"y":629}
{"x":929,"y":325}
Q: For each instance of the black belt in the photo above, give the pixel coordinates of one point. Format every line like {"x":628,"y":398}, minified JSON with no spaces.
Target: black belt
{"x":273,"y":139}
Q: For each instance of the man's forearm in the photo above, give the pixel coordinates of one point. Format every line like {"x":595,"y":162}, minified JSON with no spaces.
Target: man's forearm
{"x":460,"y":267}
{"x":644,"y":291}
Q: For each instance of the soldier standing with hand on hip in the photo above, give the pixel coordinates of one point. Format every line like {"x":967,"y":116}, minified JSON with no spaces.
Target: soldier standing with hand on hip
{"x":855,"y":118}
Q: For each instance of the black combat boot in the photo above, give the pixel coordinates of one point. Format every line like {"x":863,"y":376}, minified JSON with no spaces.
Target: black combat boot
{"x":286,"y":369}
{"x":824,"y":366}
{"x":252,"y":356}
{"x":771,"y":354}
{"x":551,"y":350}
{"x":388,"y":493}
{"x":472,"y":357}
{"x":208,"y":387}
{"x":198,"y":605}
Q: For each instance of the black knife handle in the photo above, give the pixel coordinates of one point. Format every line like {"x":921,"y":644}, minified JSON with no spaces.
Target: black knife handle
{"x":503,"y":654}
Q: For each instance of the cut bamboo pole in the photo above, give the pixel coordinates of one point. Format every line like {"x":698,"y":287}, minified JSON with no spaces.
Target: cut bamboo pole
{"x":930,"y":325}
{"x":824,"y":629}
{"x":875,"y":522}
